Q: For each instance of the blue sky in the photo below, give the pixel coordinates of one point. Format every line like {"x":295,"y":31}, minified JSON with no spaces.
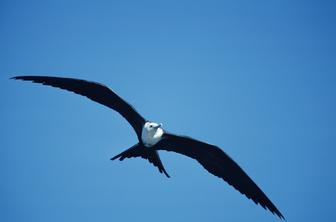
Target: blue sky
{"x":256,"y":78}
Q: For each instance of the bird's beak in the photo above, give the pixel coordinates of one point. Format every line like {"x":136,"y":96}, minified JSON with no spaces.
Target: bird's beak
{"x":158,"y":126}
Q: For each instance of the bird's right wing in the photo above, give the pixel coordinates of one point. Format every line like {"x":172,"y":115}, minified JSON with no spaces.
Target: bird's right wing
{"x":217,"y":162}
{"x":96,"y":92}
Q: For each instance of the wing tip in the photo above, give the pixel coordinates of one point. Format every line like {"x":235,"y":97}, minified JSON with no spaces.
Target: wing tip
{"x":279,"y":214}
{"x":115,"y":157}
{"x":15,"y":77}
{"x":167,"y":175}
{"x":22,"y":78}
{"x":274,"y":211}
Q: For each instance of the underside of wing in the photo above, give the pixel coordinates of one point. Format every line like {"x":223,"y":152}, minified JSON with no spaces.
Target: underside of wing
{"x":96,"y":92}
{"x":218,"y":163}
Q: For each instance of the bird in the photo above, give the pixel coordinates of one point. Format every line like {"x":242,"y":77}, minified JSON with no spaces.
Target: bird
{"x":153,"y":138}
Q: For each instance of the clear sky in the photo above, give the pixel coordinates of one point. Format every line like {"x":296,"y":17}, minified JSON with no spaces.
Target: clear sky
{"x":256,"y":78}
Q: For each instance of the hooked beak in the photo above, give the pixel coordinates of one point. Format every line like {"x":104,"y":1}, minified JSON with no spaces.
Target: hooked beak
{"x":158,"y":126}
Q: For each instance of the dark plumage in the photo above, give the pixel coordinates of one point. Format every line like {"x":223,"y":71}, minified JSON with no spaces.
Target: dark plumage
{"x":152,"y":138}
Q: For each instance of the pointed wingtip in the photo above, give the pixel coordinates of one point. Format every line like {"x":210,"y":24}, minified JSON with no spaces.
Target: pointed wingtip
{"x":278,"y":213}
{"x":271,"y":209}
{"x":167,"y":175}
{"x":281,"y":217}
{"x":19,"y":77}
{"x":27,"y":78}
{"x":115,"y":157}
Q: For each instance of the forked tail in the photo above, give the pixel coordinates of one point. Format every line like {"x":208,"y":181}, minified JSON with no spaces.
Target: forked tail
{"x":138,"y":150}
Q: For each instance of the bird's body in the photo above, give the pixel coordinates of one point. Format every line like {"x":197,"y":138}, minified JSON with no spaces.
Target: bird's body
{"x":152,"y":138}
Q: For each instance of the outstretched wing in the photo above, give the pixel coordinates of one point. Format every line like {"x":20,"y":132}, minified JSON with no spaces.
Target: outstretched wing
{"x":96,"y":92}
{"x":140,"y":151}
{"x":217,"y":162}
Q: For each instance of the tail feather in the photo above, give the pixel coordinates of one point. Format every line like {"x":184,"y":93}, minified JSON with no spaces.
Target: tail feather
{"x":139,"y":150}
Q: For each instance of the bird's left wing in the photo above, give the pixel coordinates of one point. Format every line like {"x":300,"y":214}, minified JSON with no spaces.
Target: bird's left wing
{"x":217,"y":162}
{"x":96,"y":92}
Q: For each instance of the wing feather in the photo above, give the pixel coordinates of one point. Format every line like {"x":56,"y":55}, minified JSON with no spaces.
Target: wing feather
{"x":96,"y":92}
{"x":218,"y":163}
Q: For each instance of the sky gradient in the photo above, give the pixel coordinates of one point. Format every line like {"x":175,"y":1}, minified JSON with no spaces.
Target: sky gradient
{"x":255,"y":78}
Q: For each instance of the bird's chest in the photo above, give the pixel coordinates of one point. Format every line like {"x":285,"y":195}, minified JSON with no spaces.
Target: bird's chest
{"x":149,"y":139}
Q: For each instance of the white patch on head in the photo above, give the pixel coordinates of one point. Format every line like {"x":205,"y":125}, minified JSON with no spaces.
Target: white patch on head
{"x":151,"y":133}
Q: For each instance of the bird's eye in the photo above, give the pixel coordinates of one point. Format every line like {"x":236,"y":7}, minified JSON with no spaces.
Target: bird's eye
{"x":150,"y":126}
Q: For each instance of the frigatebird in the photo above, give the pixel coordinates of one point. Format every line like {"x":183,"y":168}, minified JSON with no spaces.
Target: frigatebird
{"x":152,"y":137}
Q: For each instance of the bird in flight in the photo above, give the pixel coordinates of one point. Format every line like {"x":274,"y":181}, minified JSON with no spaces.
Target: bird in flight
{"x":152,"y":137}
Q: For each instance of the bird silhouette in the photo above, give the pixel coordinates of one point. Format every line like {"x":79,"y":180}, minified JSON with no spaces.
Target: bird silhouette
{"x":152,"y":137}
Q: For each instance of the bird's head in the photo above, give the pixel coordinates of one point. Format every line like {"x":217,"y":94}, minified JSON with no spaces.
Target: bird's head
{"x":152,"y":127}
{"x":151,"y":133}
